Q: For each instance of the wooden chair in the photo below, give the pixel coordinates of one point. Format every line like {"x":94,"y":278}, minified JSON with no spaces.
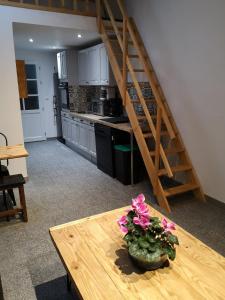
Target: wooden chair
{"x":5,"y":172}
{"x":11,"y":182}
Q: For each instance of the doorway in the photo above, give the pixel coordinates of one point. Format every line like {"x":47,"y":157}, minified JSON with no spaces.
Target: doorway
{"x":31,"y":107}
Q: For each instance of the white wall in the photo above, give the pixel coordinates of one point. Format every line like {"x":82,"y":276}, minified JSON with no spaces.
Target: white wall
{"x":187,"y":44}
{"x":48,"y":65}
{"x":10,"y":116}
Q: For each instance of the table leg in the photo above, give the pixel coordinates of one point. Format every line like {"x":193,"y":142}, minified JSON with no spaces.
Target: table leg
{"x":132,"y":157}
{"x":68,"y":282}
{"x":23,"y":203}
{"x":6,"y":204}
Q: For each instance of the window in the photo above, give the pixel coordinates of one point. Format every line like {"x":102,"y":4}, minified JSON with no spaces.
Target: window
{"x":32,"y":101}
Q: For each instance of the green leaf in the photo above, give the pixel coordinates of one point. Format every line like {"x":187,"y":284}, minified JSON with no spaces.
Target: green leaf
{"x":144,"y":244}
{"x":128,"y":237}
{"x":173,"y":239}
{"x":150,"y":238}
{"x":171,"y":252}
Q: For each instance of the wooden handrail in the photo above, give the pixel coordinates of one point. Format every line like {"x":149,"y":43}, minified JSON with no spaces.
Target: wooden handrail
{"x":125,"y":56}
{"x":113,"y":21}
{"x":74,"y":9}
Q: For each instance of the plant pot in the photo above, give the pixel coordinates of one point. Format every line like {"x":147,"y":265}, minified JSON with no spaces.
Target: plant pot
{"x":159,"y":262}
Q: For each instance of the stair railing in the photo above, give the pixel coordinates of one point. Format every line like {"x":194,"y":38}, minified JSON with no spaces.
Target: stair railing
{"x":128,"y":65}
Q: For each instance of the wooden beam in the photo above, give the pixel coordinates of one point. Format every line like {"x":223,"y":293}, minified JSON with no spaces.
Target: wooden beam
{"x":51,"y":9}
{"x":125,"y":52}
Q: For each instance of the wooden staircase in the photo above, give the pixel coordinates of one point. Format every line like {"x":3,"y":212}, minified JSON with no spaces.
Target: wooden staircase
{"x":156,"y":133}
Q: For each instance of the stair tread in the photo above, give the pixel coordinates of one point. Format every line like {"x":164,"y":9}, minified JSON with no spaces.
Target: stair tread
{"x":146,"y":100}
{"x":112,"y":39}
{"x":180,"y":189}
{"x":169,"y":151}
{"x":175,"y":169}
{"x":149,"y":134}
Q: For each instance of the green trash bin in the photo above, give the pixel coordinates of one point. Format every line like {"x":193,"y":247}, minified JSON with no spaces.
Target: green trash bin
{"x":123,"y":163}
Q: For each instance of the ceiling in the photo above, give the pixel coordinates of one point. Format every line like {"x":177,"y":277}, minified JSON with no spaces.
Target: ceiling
{"x":50,"y":38}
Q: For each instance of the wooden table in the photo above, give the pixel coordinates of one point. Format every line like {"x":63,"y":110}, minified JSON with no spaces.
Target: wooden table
{"x":92,"y":252}
{"x":12,"y":152}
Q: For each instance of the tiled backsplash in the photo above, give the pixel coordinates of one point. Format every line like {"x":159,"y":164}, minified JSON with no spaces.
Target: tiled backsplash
{"x":147,"y":94}
{"x":80,"y":97}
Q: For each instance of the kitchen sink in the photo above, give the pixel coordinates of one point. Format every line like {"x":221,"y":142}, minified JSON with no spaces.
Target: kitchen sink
{"x":116,"y":120}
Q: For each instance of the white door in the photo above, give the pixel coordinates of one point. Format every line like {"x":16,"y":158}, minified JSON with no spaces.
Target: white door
{"x":32,"y":108}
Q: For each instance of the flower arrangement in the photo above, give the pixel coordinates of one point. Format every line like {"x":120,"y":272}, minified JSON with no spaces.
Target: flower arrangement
{"x":148,"y":238}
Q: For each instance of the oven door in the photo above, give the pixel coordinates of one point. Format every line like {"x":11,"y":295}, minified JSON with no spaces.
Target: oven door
{"x":64,"y":97}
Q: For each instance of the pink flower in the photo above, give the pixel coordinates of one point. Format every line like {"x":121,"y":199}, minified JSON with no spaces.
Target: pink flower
{"x":138,"y":204}
{"x":139,"y":200}
{"x":124,"y":229}
{"x":168,"y":226}
{"x":142,"y":210}
{"x":122,"y":221}
{"x":142,"y":221}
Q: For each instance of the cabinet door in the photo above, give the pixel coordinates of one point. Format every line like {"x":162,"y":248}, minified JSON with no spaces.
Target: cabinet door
{"x":75,"y":133}
{"x":93,"y":66}
{"x":63,"y":65}
{"x":82,"y":67}
{"x":104,"y":66}
{"x":69,"y":130}
{"x":84,"y":137}
{"x":92,"y":144}
{"x":59,"y":65}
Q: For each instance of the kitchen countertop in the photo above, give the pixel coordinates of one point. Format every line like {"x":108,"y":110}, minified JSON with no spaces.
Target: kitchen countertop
{"x":98,"y":119}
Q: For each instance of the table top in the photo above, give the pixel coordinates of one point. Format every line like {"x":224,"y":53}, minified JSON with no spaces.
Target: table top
{"x":10,"y":152}
{"x":93,"y":253}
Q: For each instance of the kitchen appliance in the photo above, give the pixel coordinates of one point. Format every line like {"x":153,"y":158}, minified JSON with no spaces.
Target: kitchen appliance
{"x":106,"y":137}
{"x":100,"y":107}
{"x":64,"y":95}
{"x":57,"y":106}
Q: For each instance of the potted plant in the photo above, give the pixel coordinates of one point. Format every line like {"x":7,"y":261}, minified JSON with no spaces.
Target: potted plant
{"x":150,"y":240}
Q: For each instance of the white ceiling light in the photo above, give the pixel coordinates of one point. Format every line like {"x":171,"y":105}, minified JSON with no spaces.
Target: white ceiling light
{"x":31,"y":40}
{"x":79,"y":36}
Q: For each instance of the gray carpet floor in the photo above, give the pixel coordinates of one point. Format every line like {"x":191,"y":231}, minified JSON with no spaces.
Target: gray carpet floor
{"x":64,"y":186}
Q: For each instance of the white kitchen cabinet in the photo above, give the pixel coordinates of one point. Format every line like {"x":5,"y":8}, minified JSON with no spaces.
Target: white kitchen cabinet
{"x":79,"y":134}
{"x":84,"y":137}
{"x":93,"y":70}
{"x":104,"y":65}
{"x":92,"y":145}
{"x":94,"y":67}
{"x":67,"y":63}
{"x":83,"y":68}
{"x":75,"y":135}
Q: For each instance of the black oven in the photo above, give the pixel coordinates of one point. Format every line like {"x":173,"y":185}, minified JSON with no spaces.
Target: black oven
{"x":64,"y":95}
